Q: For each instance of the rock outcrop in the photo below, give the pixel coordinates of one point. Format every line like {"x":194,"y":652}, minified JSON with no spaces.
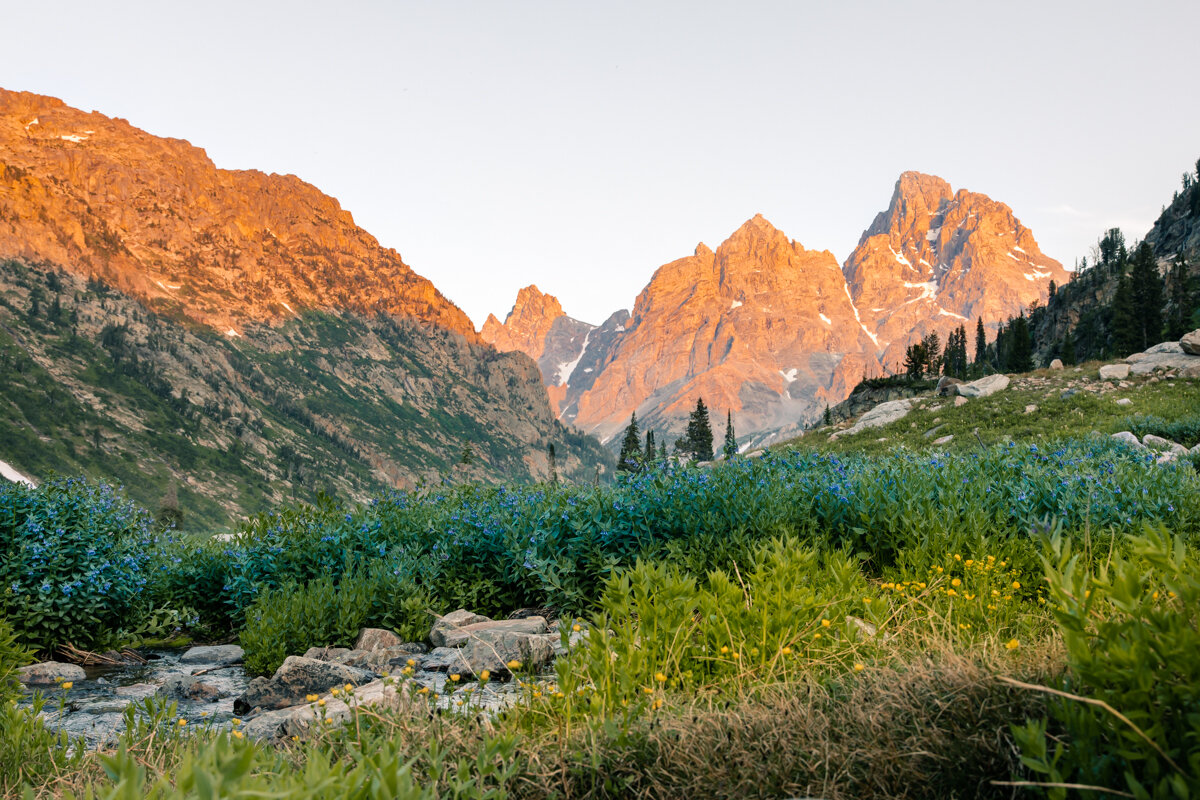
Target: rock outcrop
{"x":937,"y":259}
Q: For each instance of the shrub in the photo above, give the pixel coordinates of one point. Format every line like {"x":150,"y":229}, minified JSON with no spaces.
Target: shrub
{"x":12,"y":656}
{"x":1132,"y":632}
{"x":1184,"y":430}
{"x":325,"y":612}
{"x":74,"y":560}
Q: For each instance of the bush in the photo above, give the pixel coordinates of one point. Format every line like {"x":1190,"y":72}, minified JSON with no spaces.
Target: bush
{"x":12,"y":656}
{"x":1132,"y":632}
{"x":1184,"y":430}
{"x":74,"y":560}
{"x":289,"y":620}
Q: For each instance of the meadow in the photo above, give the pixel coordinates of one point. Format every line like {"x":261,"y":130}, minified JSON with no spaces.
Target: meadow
{"x":1012,"y":620}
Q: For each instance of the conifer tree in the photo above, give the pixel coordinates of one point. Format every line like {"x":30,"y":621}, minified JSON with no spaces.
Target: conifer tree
{"x":933,"y":348}
{"x":730,"y":448}
{"x":1068,"y":348}
{"x":552,"y":463}
{"x":1124,"y":326}
{"x":651,"y":454}
{"x":699,"y":433}
{"x":1179,"y":319}
{"x":1020,"y":346}
{"x":980,"y":345}
{"x":1147,"y":287}
{"x":828,"y":415}
{"x":631,"y":447}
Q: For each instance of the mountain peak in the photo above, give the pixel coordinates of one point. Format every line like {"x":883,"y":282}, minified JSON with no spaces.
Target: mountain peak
{"x":526,"y":325}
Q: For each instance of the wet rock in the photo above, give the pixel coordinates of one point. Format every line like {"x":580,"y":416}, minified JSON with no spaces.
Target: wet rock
{"x":136,"y":691}
{"x":460,"y":636}
{"x":296,"y":678}
{"x":220,"y":655}
{"x":188,"y":687}
{"x":453,"y":621}
{"x":984,"y":387}
{"x":1114,"y":372}
{"x":50,"y":672}
{"x":370,"y":639}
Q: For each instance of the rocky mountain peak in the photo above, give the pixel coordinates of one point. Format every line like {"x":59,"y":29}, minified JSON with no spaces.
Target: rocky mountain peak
{"x":526,"y":325}
{"x":155,"y":218}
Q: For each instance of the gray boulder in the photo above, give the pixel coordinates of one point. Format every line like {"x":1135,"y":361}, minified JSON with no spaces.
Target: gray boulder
{"x":945,"y":385}
{"x":1161,"y":445}
{"x":188,"y":687}
{"x":984,"y":387}
{"x":376,"y":639}
{"x":296,"y":678}
{"x":460,"y":636}
{"x":327,"y":653}
{"x":1056,"y":364}
{"x":493,"y":650}
{"x":453,"y":621}
{"x":443,"y":659}
{"x":880,"y":415}
{"x":1129,"y":439}
{"x":1190,"y":343}
{"x":1114,"y":372}
{"x":221,"y":655}
{"x":1124,"y":401}
{"x":302,"y":719}
{"x":50,"y":672}
{"x":1164,"y":361}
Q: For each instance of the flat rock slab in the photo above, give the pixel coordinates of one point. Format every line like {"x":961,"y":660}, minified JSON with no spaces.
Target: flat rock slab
{"x":984,"y":387}
{"x":1157,"y":361}
{"x":453,"y":621}
{"x":880,"y":415}
{"x":221,"y":655}
{"x":460,"y":636}
{"x":50,"y":672}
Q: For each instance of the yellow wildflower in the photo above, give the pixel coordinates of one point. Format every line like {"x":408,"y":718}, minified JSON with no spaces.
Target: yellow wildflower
{"x":825,"y":623}
{"x":238,"y":734}
{"x":661,"y":678}
{"x":66,"y":684}
{"x":455,"y":677}
{"x":859,"y":667}
{"x":1011,"y":644}
{"x":484,"y":675}
{"x":956,"y":582}
{"x":514,"y":664}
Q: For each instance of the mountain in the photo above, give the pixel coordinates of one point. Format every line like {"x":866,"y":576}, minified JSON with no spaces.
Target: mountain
{"x":232,"y":337}
{"x":937,"y":259}
{"x":775,"y":332}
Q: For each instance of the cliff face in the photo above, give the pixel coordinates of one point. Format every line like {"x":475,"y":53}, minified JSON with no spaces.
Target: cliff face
{"x":937,"y":259}
{"x":156,"y":219}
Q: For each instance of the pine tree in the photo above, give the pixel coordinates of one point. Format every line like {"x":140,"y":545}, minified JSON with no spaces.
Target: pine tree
{"x":1147,"y":285}
{"x":1068,"y":348}
{"x":915,"y":358}
{"x":980,"y":345}
{"x":662,"y":451}
{"x":933,"y":347}
{"x":1124,"y":326}
{"x":650,"y":454}
{"x":699,"y":433}
{"x":828,"y":415}
{"x":631,"y":447}
{"x":730,"y":448}
{"x":1179,"y":319}
{"x":552,"y":463}
{"x":1020,"y":348}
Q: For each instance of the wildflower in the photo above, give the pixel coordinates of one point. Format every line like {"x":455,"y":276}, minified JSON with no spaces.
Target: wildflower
{"x":423,"y":690}
{"x":645,"y":690}
{"x":412,"y":662}
{"x":859,"y":667}
{"x":825,"y":623}
{"x":1011,"y":644}
{"x":661,"y":678}
{"x":817,"y":635}
{"x":238,"y":734}
{"x":787,"y":651}
{"x":1016,"y":584}
{"x":182,"y":722}
{"x":737,"y":655}
{"x":455,"y":677}
{"x":867,"y":601}
{"x":951,"y":593}
{"x":577,"y":627}
{"x":514,"y":664}
{"x":559,"y":695}
{"x":484,"y":675}
{"x":335,"y":691}
{"x":311,"y":698}
{"x":349,"y":687}
{"x":956,"y":582}
{"x":235,"y":722}
{"x":957,"y":557}
{"x":66,"y":684}
{"x":724,"y":649}
{"x":657,"y":704}
{"x":321,"y":702}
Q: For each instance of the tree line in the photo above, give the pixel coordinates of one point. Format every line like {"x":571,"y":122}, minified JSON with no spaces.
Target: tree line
{"x":695,"y":444}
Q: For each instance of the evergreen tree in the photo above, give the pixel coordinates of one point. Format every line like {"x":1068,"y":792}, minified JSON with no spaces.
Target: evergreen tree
{"x":980,"y":344}
{"x":1124,"y":327}
{"x":552,"y":463}
{"x":1147,"y":285}
{"x":915,"y":358}
{"x":933,"y":347}
{"x":1020,"y":348}
{"x":1179,"y":319}
{"x":699,"y":433}
{"x":468,"y":454}
{"x":730,"y":448}
{"x":631,"y":447}
{"x":954,"y":360}
{"x":1068,"y":348}
{"x":662,"y":451}
{"x":828,"y":415}
{"x":651,"y":454}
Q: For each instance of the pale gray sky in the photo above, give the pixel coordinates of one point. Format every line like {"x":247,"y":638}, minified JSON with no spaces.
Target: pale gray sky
{"x":579,"y":146}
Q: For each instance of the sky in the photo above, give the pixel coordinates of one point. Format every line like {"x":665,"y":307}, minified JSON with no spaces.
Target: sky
{"x":579,"y":146}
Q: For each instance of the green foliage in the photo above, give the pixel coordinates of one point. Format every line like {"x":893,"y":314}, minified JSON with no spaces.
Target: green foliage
{"x":630,"y":458}
{"x":699,"y":441}
{"x":320,"y":613}
{"x":1184,"y":430}
{"x":12,"y":656}
{"x":730,"y":448}
{"x":29,"y":751}
{"x":1132,"y":630}
{"x":74,"y":562}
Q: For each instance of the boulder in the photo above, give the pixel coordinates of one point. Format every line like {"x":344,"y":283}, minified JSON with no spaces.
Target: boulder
{"x":188,"y":687}
{"x":384,"y":660}
{"x":1190,"y":343}
{"x":327,"y":653}
{"x":493,"y":650}
{"x":1056,"y":364}
{"x":1164,"y":361}
{"x":1030,"y":409}
{"x":1124,"y":401}
{"x":267,"y":725}
{"x":50,"y":672}
{"x":460,"y":636}
{"x":1195,"y":451}
{"x":370,"y":639}
{"x":984,"y":387}
{"x":296,"y":678}
{"x":944,"y":439}
{"x":1191,"y":372}
{"x":221,"y":655}
{"x":880,"y":415}
{"x":960,"y":401}
{"x":443,"y":659}
{"x":303,"y":718}
{"x":452,"y":621}
{"x":1129,"y":439}
{"x":1114,"y":372}
{"x":1159,"y":444}
{"x":946,"y":384}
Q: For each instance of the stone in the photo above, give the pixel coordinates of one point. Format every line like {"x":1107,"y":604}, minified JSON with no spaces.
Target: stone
{"x":945,"y":385}
{"x":219,"y":655}
{"x":984,"y":387}
{"x":1114,"y":372}
{"x":960,"y":401}
{"x":370,"y":639}
{"x":1129,"y":439}
{"x":1030,"y":409}
{"x":452,"y":621}
{"x":188,"y":687}
{"x":880,"y":415}
{"x":1159,"y":444}
{"x":384,"y":660}
{"x":1164,"y":361}
{"x":1068,"y":393}
{"x":1190,"y":343}
{"x":1195,"y":451}
{"x":267,"y":725}
{"x":50,"y":672}
{"x":1056,"y":364}
{"x":944,"y":439}
{"x":327,"y":653}
{"x":460,"y":636}
{"x":1124,"y":401}
{"x":494,"y":649}
{"x":442,"y":659}
{"x":296,"y":678}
